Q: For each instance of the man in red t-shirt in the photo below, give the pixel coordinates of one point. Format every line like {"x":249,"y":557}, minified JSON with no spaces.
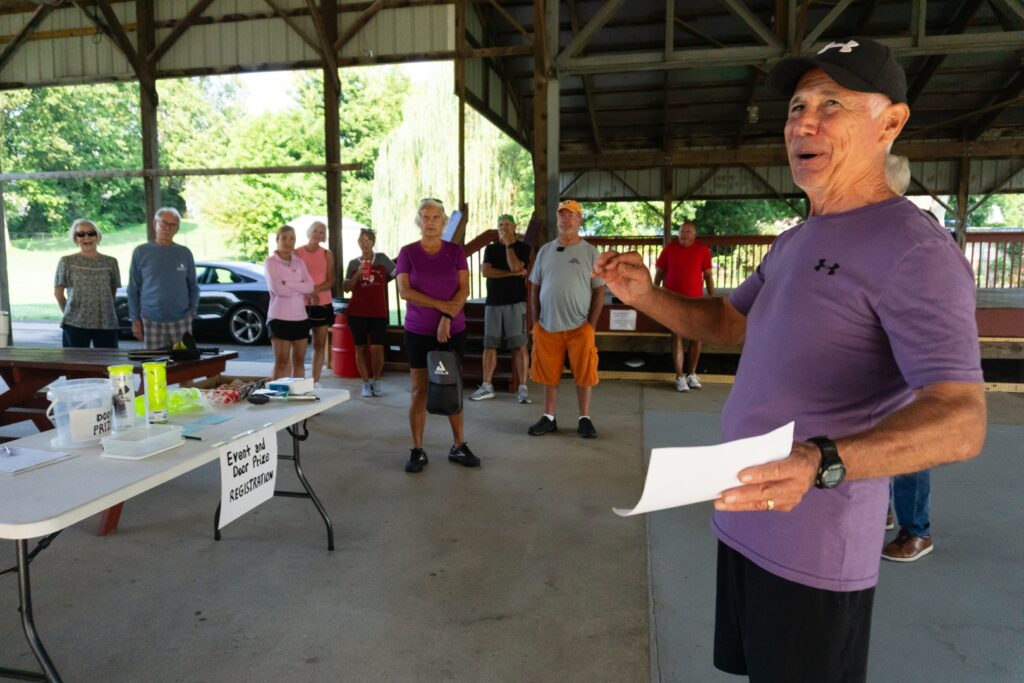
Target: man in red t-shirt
{"x":684,"y":266}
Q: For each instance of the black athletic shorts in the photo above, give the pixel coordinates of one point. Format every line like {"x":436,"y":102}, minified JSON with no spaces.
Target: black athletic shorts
{"x":771,"y":629}
{"x":363,"y":327}
{"x":417,"y":346}
{"x":320,"y":316}
{"x":289,"y":330}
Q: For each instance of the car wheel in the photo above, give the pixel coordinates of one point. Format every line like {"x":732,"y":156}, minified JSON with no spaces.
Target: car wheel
{"x":246,"y":325}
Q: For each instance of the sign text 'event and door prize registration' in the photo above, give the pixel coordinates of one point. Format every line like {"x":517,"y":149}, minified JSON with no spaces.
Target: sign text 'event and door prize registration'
{"x":248,"y":468}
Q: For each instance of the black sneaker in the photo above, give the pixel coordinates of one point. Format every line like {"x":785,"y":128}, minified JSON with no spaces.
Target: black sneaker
{"x":543,"y":426}
{"x":417,"y":460}
{"x":586,"y":429}
{"x":463,"y":456}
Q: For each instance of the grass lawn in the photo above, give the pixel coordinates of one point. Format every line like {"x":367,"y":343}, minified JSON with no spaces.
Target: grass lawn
{"x":31,"y":264}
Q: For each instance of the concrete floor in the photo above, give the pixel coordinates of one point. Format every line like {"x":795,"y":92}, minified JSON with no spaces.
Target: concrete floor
{"x":517,"y":571}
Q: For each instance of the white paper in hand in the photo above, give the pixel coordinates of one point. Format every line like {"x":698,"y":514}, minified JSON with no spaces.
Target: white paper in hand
{"x":681,"y":476}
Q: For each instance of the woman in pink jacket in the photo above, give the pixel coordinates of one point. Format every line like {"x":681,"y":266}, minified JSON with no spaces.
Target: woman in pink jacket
{"x":289,"y":283}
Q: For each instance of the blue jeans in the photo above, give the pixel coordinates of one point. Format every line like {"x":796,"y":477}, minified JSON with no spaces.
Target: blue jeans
{"x":911,"y":495}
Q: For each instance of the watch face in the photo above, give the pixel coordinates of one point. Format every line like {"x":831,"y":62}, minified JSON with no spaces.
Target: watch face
{"x":832,"y":475}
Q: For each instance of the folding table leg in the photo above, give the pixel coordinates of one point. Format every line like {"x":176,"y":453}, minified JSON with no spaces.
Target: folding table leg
{"x":28,"y":625}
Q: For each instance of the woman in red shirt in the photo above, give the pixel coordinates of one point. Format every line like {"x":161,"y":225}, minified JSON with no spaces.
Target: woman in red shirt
{"x":367,"y":278}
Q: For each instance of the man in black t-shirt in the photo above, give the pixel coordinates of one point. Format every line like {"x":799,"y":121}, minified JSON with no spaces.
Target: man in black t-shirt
{"x":504,"y":266}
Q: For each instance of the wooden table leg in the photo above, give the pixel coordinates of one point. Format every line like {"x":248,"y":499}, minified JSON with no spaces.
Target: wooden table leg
{"x":109,"y":519}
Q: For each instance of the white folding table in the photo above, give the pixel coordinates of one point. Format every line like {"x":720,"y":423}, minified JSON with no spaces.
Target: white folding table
{"x":44,"y":501}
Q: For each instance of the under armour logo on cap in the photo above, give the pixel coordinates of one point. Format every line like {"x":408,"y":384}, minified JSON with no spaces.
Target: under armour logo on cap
{"x":831,"y":269}
{"x":855,"y":63}
{"x":843,"y":47}
{"x":440,"y":369}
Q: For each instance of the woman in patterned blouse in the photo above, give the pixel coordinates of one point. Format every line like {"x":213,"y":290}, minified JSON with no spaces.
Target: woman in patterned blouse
{"x":84,"y":286}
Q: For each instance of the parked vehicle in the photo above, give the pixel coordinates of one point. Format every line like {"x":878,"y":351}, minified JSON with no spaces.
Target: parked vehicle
{"x":233,"y":300}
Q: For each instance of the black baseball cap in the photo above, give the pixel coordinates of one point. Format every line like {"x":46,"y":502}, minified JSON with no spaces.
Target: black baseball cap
{"x":855,"y":63}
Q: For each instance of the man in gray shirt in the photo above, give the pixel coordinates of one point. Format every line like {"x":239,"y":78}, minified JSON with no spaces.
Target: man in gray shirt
{"x":566,"y":304}
{"x":163,"y":295}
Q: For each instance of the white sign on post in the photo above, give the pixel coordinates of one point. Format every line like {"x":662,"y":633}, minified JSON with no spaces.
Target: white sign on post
{"x":248,"y":468}
{"x":622,"y":319}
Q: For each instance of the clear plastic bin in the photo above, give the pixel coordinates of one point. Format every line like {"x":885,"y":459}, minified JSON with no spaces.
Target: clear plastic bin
{"x":142,"y":442}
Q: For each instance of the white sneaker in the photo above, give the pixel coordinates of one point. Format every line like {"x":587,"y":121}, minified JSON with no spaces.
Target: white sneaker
{"x":366,"y":391}
{"x":694,"y":381}
{"x":523,"y":395}
{"x":681,"y":384}
{"x":484,"y":391}
{"x":375,"y":387}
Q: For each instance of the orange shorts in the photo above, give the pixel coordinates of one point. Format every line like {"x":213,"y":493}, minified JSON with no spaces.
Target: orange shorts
{"x":549,"y":350}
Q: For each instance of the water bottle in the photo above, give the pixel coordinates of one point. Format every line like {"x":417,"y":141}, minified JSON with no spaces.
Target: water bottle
{"x":123,"y":381}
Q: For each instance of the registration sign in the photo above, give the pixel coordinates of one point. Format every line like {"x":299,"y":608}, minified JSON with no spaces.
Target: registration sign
{"x":248,"y":469}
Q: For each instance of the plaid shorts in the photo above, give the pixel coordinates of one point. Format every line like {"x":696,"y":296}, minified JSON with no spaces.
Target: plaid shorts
{"x":158,"y":335}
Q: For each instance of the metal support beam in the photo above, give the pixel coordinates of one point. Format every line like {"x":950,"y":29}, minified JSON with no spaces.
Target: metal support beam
{"x":587,"y":86}
{"x":30,"y":26}
{"x":931,"y":193}
{"x":111,"y":27}
{"x":827,"y":22}
{"x":179,"y":172}
{"x":595,"y":24}
{"x":326,"y":51}
{"x":148,"y":106}
{"x":750,"y":19}
{"x":295,"y":26}
{"x":918,"y":18}
{"x":1014,"y":7}
{"x":327,"y":24}
{"x":1011,"y":93}
{"x":540,"y":119}
{"x":178,"y":31}
{"x":508,"y":17}
{"x":356,"y":26}
{"x":553,"y":139}
{"x":956,"y":25}
{"x":743,"y":56}
{"x":996,"y":187}
{"x":666,"y":200}
{"x":460,"y":86}
{"x":5,"y":289}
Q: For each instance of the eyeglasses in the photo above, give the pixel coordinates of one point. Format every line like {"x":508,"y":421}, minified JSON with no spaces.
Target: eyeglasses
{"x":90,"y":233}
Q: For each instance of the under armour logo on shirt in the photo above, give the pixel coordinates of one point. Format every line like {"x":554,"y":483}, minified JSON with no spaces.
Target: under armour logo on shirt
{"x":440,"y":369}
{"x":574,"y":260}
{"x":843,"y":47}
{"x":831,"y":269}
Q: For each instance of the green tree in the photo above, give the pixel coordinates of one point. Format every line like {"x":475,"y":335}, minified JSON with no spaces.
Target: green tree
{"x":743,"y":217}
{"x":71,"y":128}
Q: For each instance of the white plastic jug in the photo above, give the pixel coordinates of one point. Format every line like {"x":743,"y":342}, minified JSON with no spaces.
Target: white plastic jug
{"x":81,"y":410}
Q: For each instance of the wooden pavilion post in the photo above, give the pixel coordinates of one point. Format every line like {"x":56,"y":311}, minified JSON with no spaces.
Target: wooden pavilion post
{"x":332,"y":139}
{"x":963,"y":185}
{"x":148,"y":104}
{"x":667,"y":192}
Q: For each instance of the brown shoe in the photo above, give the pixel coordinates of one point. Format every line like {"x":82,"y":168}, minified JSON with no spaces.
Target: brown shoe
{"x":907,"y":548}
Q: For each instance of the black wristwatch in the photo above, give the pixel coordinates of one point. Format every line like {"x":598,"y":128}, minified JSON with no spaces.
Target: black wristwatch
{"x":831,"y":470}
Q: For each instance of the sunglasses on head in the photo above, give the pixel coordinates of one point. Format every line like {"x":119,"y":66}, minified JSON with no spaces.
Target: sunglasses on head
{"x":432,"y":199}
{"x":88,"y":233}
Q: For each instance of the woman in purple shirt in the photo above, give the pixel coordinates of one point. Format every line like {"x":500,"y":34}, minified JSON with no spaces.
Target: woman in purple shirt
{"x":289,"y":283}
{"x":433,"y":279}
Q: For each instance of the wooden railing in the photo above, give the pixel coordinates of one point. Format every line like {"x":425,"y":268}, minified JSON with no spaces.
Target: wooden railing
{"x":997,"y":259}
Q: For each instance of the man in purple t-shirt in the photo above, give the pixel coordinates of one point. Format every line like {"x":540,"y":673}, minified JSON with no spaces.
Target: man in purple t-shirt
{"x":859,"y":326}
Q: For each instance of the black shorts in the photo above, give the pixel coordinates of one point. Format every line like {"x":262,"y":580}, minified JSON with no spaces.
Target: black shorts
{"x":289,"y":330}
{"x":771,"y":629}
{"x":320,"y":316}
{"x":417,"y":346}
{"x":363,"y":327}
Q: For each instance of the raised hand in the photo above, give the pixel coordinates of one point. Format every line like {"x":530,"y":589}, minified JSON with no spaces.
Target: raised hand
{"x":626,"y":275}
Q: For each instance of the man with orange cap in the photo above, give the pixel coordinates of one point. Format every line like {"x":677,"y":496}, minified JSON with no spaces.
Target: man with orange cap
{"x":566,"y":304}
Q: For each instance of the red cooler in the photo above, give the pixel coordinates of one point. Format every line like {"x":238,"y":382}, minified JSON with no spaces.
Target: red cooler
{"x":343,"y":349}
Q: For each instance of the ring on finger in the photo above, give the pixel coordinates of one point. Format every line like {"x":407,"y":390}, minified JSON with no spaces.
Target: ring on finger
{"x":771,"y":504}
